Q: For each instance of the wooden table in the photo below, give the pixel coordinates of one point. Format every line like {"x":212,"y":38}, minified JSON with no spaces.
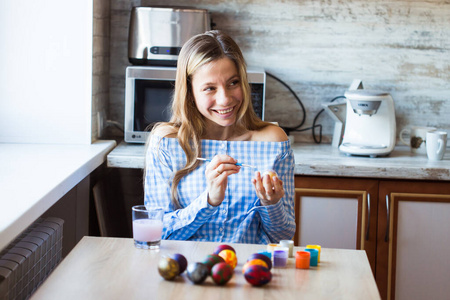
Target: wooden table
{"x":112,"y":268}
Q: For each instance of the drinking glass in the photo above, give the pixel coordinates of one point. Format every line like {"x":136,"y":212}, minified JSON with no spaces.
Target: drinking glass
{"x":147,"y":226}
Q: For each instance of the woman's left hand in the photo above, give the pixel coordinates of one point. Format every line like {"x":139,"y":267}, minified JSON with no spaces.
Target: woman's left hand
{"x":268,"y":189}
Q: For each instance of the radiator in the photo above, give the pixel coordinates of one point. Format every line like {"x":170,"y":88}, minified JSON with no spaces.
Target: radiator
{"x":29,"y":259}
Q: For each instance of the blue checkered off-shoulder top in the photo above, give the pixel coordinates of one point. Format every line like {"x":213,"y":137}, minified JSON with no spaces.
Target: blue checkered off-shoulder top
{"x":240,"y":218}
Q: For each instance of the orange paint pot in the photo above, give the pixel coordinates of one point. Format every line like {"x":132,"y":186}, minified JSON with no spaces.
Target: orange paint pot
{"x":302,"y":259}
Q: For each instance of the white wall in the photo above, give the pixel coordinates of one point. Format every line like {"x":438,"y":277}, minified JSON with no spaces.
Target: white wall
{"x":46,"y":71}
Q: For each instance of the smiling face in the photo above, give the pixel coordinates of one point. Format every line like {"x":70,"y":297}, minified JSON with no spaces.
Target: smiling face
{"x":218,"y":95}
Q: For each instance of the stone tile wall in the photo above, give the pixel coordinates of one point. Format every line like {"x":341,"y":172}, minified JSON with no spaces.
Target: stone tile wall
{"x":318,"y":48}
{"x":100,"y":65}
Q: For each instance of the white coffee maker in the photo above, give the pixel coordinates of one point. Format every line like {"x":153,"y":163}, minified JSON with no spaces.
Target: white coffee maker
{"x":370,"y":128}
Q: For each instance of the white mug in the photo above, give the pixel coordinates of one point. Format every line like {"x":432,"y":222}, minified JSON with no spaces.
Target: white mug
{"x":436,"y":144}
{"x":417,"y":138}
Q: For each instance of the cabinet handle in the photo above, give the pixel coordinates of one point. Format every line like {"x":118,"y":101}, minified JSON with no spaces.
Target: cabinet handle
{"x":386,"y":238}
{"x":368,"y":217}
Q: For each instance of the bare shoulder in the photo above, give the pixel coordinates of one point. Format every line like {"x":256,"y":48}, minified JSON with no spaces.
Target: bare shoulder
{"x":164,"y":130}
{"x":270,"y":133}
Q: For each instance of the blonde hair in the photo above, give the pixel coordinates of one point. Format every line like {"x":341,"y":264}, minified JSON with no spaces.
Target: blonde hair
{"x":186,"y":121}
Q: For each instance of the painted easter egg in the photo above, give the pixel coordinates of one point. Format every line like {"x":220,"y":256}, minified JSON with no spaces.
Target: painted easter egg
{"x":229,"y":257}
{"x":223,"y":247}
{"x":271,"y":173}
{"x":181,"y":260}
{"x":197,"y":272}
{"x":262,"y":257}
{"x":254,"y":262}
{"x":257,"y":275}
{"x":211,"y":260}
{"x":168,"y":268}
{"x":221,"y":273}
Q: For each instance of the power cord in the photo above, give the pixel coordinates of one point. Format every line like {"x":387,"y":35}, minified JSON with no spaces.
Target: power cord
{"x":288,"y":129}
{"x":297,"y":128}
{"x":320,"y":126}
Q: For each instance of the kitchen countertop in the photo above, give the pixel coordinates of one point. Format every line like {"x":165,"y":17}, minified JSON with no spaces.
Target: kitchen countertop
{"x":35,"y":176}
{"x":323,"y":160}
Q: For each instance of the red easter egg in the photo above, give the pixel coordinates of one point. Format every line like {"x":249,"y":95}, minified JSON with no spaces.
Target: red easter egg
{"x":211,"y":260}
{"x":257,"y":275}
{"x":221,"y":273}
{"x":229,"y":257}
{"x":262,"y":257}
{"x":253,"y":262}
{"x":223,"y":247}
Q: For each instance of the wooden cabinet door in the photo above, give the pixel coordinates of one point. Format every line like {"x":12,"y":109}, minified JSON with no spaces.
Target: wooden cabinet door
{"x":337,"y":213}
{"x":413,"y":240}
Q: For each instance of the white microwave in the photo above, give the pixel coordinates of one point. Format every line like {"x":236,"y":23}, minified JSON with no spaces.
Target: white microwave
{"x":149,"y":91}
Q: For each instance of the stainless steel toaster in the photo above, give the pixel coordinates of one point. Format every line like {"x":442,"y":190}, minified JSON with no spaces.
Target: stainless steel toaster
{"x":156,"y":34}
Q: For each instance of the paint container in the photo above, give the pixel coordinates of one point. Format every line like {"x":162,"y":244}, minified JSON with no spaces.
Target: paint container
{"x":302,"y":259}
{"x":314,"y":256}
{"x":288,"y":244}
{"x":266,"y":253}
{"x":280,"y":257}
{"x":315,"y":247}
{"x":271,"y":247}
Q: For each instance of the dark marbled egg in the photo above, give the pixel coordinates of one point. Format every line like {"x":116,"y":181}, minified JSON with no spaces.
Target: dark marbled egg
{"x":197,"y":272}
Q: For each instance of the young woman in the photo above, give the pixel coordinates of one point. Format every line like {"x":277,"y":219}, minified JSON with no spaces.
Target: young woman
{"x":213,"y":118}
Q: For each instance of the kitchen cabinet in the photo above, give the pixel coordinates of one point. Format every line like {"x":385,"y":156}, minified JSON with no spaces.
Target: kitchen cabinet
{"x":337,"y":213}
{"x":73,"y":208}
{"x":399,"y":223}
{"x":412,"y":240}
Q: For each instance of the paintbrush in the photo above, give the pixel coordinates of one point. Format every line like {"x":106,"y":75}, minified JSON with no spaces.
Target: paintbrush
{"x":237,"y":164}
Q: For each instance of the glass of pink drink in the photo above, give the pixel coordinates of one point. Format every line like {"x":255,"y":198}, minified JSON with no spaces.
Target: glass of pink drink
{"x":147,"y":227}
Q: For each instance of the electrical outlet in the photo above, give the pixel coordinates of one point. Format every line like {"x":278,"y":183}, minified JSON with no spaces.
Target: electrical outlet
{"x":101,"y":122}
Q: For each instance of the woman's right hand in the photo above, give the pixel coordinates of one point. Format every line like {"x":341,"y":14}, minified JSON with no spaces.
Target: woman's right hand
{"x":217,"y":172}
